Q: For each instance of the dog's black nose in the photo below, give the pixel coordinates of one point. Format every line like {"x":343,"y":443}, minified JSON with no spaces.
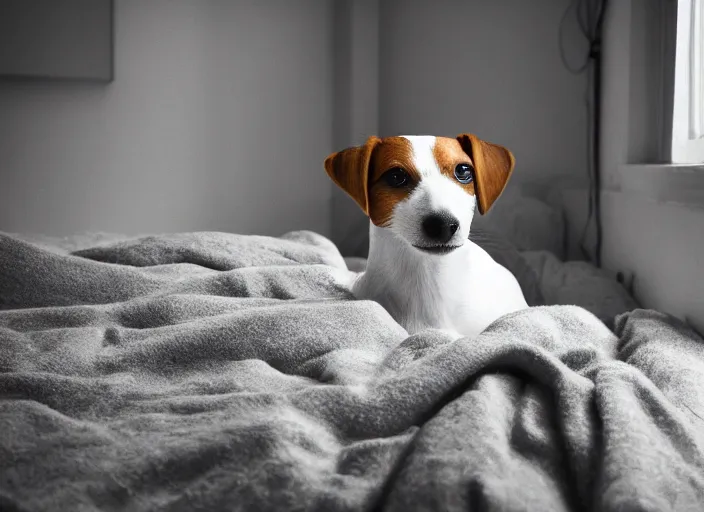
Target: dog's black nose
{"x":440,"y":227}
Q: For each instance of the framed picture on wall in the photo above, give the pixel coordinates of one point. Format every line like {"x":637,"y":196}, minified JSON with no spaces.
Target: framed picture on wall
{"x":57,"y":40}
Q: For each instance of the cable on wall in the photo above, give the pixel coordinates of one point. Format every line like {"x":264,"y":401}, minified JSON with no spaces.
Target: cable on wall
{"x":589,"y":15}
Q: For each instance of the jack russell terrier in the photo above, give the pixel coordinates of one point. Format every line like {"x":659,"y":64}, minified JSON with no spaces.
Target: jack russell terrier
{"x":420,"y":193}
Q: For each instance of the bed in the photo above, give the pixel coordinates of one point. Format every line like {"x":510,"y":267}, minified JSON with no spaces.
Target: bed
{"x":214,"y":371}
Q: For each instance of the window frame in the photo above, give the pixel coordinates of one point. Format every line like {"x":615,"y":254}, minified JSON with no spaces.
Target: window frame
{"x":688,"y":101}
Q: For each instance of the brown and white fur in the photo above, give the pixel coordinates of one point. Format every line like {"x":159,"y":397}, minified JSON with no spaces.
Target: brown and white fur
{"x":429,"y":274}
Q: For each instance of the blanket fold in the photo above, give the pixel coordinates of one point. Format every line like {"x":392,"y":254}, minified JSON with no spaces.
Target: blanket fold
{"x":209,"y":371}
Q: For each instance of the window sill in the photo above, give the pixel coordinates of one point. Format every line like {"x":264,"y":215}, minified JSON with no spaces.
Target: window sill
{"x":675,"y":184}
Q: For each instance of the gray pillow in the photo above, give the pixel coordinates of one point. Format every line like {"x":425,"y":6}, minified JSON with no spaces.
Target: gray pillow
{"x":579,"y":283}
{"x":528,"y":223}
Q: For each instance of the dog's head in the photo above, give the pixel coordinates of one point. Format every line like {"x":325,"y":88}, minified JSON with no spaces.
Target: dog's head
{"x":423,"y":188}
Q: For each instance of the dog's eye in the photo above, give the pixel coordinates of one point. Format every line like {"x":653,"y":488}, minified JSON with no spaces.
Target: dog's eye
{"x":396,"y":177}
{"x":463,"y":173}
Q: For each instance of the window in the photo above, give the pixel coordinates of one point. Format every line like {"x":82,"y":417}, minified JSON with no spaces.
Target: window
{"x":688,"y":113}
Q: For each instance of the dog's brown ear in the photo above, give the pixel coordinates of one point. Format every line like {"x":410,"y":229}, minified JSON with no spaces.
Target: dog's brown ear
{"x":493,"y":165}
{"x":349,"y":169}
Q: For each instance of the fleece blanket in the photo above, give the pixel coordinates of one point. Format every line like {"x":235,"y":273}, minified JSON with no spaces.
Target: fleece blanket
{"x":209,"y":371}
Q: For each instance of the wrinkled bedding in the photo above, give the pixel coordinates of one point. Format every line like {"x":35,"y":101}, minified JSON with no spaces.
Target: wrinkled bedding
{"x":210,"y":371}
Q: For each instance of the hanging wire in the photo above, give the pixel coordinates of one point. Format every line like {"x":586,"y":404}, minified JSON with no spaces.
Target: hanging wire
{"x":595,"y":53}
{"x":589,"y":15}
{"x":574,"y":6}
{"x":590,"y":167}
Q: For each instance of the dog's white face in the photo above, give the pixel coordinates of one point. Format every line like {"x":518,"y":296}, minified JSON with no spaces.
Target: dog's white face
{"x":434,"y":205}
{"x":423,"y":188}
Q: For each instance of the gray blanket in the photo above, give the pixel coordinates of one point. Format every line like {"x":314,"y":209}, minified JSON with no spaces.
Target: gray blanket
{"x":209,"y":371}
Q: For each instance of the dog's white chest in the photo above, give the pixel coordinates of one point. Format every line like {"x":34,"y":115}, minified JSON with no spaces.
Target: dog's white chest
{"x":489,"y":291}
{"x":463,"y":292}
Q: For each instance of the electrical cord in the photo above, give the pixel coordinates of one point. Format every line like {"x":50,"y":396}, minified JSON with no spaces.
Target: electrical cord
{"x":595,"y":54}
{"x":589,"y":15}
{"x":575,"y":5}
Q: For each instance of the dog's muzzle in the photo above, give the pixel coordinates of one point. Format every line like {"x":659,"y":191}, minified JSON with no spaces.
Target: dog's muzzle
{"x":439,"y":228}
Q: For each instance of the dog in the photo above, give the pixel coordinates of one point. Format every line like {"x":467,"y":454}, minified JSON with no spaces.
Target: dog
{"x":420,"y":194}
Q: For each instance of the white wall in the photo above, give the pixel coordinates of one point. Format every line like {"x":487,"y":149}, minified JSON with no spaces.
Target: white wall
{"x":659,"y":243}
{"x":489,"y":67}
{"x":219,"y":118}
